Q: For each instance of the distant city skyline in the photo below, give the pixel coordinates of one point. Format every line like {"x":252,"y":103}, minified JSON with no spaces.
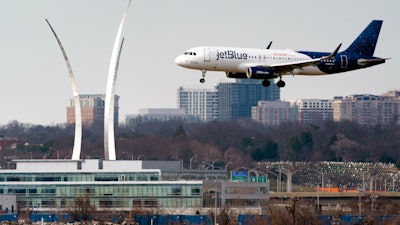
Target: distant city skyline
{"x":35,"y":87}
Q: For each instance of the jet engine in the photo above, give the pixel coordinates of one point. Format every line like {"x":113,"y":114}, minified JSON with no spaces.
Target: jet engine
{"x":260,"y":73}
{"x":235,"y":75}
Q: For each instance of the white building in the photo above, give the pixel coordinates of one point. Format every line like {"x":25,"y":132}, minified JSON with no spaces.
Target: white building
{"x":160,"y":114}
{"x":368,"y":109}
{"x":273,"y":112}
{"x":49,"y":185}
{"x":313,"y":110}
{"x":200,"y":102}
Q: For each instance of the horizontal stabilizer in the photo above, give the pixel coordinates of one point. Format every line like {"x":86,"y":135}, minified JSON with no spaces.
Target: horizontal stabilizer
{"x":363,"y":62}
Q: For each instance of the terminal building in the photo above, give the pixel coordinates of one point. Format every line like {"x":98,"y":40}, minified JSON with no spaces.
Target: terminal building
{"x":46,"y":185}
{"x":123,"y":185}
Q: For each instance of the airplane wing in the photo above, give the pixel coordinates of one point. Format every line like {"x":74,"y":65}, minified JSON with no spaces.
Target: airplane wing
{"x":287,"y":67}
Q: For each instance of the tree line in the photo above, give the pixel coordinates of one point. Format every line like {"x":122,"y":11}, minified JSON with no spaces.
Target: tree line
{"x":230,"y":143}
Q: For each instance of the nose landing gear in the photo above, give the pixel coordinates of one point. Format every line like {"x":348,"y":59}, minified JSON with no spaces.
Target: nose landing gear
{"x":203,"y":74}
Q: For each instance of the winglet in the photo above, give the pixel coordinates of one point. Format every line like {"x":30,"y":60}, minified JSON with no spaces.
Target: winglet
{"x":333,"y":54}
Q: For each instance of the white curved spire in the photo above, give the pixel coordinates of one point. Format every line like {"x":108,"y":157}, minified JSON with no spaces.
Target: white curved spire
{"x":109,"y":142}
{"x":76,"y":152}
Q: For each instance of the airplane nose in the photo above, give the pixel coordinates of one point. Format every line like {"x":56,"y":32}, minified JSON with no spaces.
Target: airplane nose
{"x":180,"y":61}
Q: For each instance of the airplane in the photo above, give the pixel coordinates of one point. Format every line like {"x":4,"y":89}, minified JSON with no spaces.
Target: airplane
{"x":268,"y":64}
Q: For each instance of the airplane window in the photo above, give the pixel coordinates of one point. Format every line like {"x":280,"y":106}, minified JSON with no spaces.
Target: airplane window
{"x":190,"y":53}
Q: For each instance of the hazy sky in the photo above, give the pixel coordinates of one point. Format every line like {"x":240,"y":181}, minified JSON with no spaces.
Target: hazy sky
{"x":35,"y":86}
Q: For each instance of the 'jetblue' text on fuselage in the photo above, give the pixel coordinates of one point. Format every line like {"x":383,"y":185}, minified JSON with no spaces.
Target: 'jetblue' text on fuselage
{"x":230,"y":54}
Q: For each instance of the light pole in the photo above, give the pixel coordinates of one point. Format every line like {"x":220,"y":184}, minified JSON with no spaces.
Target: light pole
{"x":226,"y":166}
{"x":190,"y":161}
{"x":128,"y":154}
{"x":282,"y":197}
{"x":373,"y":199}
{"x":277,"y":182}
{"x":318,"y":187}
{"x":360,"y":191}
{"x":181,"y":160}
{"x":215,"y":208}
{"x":318,"y":200}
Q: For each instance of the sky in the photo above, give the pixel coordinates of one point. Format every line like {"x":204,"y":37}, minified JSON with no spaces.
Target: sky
{"x":34,"y":83}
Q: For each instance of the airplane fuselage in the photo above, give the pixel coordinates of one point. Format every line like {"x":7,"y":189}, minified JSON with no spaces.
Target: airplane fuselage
{"x":238,"y":60}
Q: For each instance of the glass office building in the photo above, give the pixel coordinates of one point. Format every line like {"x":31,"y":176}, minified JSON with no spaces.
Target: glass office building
{"x":46,"y":185}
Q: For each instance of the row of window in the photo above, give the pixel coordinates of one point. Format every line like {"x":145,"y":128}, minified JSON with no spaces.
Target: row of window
{"x":80,"y":177}
{"x":99,"y":191}
{"x":264,"y":57}
{"x":112,"y":203}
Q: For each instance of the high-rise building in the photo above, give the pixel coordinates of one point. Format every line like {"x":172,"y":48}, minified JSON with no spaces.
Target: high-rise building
{"x":92,"y":108}
{"x":236,"y":99}
{"x":367,"y":109}
{"x":199,"y":102}
{"x":313,"y":110}
{"x":274,"y":112}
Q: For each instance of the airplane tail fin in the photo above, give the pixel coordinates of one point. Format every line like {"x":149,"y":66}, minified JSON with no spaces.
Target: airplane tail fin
{"x":366,"y":42}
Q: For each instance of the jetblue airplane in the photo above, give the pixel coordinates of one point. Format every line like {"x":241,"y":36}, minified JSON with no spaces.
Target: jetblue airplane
{"x":267,"y":64}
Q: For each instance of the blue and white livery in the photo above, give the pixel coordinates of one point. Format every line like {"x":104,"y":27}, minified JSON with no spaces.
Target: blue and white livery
{"x":270,"y":64}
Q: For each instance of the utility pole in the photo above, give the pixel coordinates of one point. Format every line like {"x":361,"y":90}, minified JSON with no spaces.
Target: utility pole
{"x":360,"y":191}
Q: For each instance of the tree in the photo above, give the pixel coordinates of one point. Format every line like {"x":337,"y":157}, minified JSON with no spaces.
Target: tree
{"x":269,"y":151}
{"x":295,"y":148}
{"x":306,"y":141}
{"x":82,"y":210}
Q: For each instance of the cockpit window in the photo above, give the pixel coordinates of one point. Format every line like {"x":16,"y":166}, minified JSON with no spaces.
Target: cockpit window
{"x":190,"y":53}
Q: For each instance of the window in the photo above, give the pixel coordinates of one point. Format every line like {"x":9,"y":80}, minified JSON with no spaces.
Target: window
{"x":137,"y":202}
{"x":190,"y":53}
{"x":176,"y":191}
{"x":20,"y":191}
{"x":49,"y":191}
{"x":13,"y":179}
{"x":48,"y":179}
{"x":141,"y":178}
{"x":106,"y":179}
{"x":196,"y":191}
{"x":150,"y":203}
{"x":48,"y":203}
{"x":105,"y":203}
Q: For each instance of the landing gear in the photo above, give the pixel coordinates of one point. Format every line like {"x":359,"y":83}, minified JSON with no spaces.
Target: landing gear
{"x":280,"y":83}
{"x":266,"y":83}
{"x":203,"y":74}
